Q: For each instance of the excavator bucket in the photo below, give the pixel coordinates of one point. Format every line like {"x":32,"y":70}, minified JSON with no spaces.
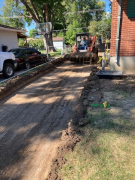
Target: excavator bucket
{"x":82,"y":58}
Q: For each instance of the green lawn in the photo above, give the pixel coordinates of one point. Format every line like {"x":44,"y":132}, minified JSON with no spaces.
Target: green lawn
{"x":107,"y":148}
{"x":54,"y":54}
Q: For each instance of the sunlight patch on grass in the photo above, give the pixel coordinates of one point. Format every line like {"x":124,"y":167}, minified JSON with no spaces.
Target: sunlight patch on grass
{"x":106,"y":152}
{"x":53,"y":54}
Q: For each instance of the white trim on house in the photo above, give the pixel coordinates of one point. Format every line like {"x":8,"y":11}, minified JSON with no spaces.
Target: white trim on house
{"x":15,"y":30}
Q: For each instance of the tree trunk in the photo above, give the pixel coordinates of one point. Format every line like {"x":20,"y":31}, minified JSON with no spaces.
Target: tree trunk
{"x":51,"y":47}
{"x":45,"y":43}
{"x":49,"y":40}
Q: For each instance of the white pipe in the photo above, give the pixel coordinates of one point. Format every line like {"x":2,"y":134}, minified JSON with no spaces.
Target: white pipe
{"x":118,"y":33}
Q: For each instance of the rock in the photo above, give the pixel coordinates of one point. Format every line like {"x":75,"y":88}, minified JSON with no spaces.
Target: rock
{"x":87,"y":91}
{"x":93,"y":90}
{"x":85,"y":102}
{"x":83,"y":121}
{"x":90,"y":98}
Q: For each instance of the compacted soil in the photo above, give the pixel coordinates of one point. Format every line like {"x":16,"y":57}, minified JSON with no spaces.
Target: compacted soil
{"x":33,"y":119}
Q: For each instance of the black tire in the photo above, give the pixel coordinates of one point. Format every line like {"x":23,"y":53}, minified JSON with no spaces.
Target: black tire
{"x":8,"y":70}
{"x":27,"y":65}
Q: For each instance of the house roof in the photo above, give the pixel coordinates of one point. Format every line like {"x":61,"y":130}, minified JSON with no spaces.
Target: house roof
{"x":21,"y":35}
{"x":8,"y":28}
{"x":58,"y":38}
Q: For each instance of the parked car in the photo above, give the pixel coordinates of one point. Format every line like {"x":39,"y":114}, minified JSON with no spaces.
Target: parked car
{"x":7,"y":64}
{"x":28,"y":57}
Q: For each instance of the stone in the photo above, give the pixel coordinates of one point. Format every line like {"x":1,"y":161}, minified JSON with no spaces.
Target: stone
{"x":83,"y":121}
{"x":93,"y":90}
{"x":85,"y":102}
{"x":90,"y":98}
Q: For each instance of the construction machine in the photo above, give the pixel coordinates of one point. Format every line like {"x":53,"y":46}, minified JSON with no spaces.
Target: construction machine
{"x":84,"y":50}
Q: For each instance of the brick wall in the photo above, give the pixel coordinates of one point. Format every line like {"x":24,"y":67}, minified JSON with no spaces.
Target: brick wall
{"x":127,"y":30}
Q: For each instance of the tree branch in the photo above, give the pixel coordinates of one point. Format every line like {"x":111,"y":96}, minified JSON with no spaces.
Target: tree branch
{"x":30,"y":11}
{"x":34,"y":9}
{"x":23,"y":14}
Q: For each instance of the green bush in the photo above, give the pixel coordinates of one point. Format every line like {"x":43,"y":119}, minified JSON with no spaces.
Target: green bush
{"x":37,"y":44}
{"x":21,"y":42}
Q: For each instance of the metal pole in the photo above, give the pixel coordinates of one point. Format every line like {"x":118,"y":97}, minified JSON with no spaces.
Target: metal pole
{"x":45,"y":42}
{"x":118,"y":32}
{"x":46,"y":45}
{"x":103,"y":62}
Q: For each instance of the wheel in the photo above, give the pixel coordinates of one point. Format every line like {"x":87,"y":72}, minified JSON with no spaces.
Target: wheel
{"x":8,"y":70}
{"x":27,"y":65}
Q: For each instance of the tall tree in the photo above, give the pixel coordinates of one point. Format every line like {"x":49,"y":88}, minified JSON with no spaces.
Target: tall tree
{"x":103,"y":27}
{"x":79,"y":16}
{"x":1,"y":19}
{"x":9,"y":10}
{"x":42,"y":11}
{"x":32,"y":33}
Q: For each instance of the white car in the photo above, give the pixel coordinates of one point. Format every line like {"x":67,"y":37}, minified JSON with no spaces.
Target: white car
{"x":8,"y":64}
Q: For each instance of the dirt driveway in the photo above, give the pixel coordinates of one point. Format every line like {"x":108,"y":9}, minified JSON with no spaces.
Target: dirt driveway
{"x":32,"y":121}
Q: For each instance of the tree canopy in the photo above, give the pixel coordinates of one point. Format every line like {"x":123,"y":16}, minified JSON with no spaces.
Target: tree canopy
{"x":9,"y":10}
{"x":41,"y":10}
{"x":74,"y":16}
{"x":79,"y":15}
{"x":32,"y":33}
{"x":102,"y":28}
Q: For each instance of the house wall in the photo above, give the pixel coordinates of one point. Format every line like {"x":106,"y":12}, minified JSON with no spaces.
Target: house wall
{"x":8,"y":38}
{"x":58,"y":44}
{"x":114,"y":27}
{"x":127,"y":38}
{"x":126,"y":64}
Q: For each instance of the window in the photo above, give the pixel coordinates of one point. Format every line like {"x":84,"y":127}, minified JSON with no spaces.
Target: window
{"x":15,"y":51}
{"x":35,"y":52}
{"x":29,"y":52}
{"x":23,"y":53}
{"x":131,"y":8}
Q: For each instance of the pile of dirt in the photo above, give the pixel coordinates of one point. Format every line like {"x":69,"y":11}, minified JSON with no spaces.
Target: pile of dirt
{"x":90,"y":87}
{"x":68,"y":142}
{"x":70,"y":136}
{"x":69,"y":139}
{"x":21,"y":80}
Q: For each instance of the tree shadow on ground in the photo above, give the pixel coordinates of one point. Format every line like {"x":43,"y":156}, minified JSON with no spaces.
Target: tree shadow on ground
{"x":35,"y":113}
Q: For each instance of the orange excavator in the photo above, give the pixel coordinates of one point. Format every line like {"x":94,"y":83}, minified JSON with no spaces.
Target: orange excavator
{"x":83,"y":53}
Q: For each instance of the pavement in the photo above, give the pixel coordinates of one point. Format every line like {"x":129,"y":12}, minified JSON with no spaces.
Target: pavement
{"x":17,"y":72}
